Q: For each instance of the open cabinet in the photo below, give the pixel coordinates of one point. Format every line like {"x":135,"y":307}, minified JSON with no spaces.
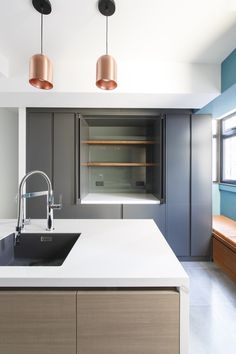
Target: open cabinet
{"x":129,"y":161}
{"x":121,"y":159}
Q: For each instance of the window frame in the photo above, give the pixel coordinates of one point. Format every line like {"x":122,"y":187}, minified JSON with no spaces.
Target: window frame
{"x":217,"y":138}
{"x":223,"y":136}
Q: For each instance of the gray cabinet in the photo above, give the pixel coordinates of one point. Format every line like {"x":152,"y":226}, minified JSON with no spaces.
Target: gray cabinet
{"x":65,"y":173}
{"x":145,"y":211}
{"x":201,"y":185}
{"x":188,"y":185}
{"x":39,"y":149}
{"x":53,"y":147}
{"x":178,"y":183}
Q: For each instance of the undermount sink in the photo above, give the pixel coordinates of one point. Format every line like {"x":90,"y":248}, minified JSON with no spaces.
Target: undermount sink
{"x":37,"y":249}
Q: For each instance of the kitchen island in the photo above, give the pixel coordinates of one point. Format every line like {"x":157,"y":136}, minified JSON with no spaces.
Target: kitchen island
{"x":111,"y":258}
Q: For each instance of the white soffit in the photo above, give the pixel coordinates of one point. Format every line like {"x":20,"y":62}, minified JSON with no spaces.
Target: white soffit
{"x":4,"y":66}
{"x":164,"y":49}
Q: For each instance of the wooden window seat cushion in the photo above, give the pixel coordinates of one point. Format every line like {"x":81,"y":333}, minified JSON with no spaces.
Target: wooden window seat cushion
{"x":224,"y":244}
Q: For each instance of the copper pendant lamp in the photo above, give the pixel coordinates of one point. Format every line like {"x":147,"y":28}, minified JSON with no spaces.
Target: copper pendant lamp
{"x":106,"y":72}
{"x":40,"y":66}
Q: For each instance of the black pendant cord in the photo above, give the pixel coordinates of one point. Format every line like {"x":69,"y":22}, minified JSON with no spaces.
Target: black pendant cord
{"x":106,"y":35}
{"x":41,"y":33}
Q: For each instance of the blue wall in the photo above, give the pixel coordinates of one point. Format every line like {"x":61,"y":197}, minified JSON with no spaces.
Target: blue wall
{"x":228,"y":72}
{"x":228,"y":201}
{"x":221,"y":106}
{"x":226,"y":102}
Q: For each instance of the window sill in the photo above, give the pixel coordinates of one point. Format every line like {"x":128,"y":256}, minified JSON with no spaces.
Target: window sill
{"x":227,"y":187}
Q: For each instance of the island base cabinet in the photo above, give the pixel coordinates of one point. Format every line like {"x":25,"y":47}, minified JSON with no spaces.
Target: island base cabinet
{"x":128,"y":322}
{"x":37,"y":322}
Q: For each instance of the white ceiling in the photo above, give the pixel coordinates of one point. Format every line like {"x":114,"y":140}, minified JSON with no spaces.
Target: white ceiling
{"x":162,"y":47}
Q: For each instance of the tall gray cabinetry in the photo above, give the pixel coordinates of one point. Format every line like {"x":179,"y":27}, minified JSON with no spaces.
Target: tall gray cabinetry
{"x":184,"y":216}
{"x":53,"y":147}
{"x":178,"y":183}
{"x":201,"y":185}
{"x":188,"y":185}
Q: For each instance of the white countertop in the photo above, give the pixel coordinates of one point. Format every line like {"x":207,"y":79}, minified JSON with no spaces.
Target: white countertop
{"x":109,"y":253}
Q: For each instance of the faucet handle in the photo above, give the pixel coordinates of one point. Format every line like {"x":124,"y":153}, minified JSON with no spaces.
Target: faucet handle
{"x":57,"y":206}
{"x":26,"y":221}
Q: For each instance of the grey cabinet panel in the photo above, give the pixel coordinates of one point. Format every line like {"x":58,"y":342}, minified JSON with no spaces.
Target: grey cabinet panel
{"x":185,"y":218}
{"x":88,"y":212}
{"x":178,"y":183}
{"x":201,"y":181}
{"x":64,"y":158}
{"x":51,"y":147}
{"x":38,"y":157}
{"x":84,"y":157}
{"x":82,"y":211}
{"x":155,"y":212}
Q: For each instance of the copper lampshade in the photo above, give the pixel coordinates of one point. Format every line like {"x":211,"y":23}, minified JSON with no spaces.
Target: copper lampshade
{"x":106,"y":73}
{"x":106,"y":65}
{"x":40,"y":66}
{"x":41,"y":72}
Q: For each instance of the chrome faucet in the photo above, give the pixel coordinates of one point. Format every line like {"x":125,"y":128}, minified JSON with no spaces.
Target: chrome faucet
{"x":20,"y":201}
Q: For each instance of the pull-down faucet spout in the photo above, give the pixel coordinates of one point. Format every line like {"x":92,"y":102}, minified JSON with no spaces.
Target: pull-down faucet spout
{"x":50,"y":202}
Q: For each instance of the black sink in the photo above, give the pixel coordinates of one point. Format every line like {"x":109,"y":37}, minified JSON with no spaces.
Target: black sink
{"x":38,"y":249}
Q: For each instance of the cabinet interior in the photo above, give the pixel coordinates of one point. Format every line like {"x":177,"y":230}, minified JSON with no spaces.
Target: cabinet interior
{"x":121,"y":155}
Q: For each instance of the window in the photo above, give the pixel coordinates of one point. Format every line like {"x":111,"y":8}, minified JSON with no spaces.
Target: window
{"x":228,"y":149}
{"x":229,"y":124}
{"x":214,"y":150}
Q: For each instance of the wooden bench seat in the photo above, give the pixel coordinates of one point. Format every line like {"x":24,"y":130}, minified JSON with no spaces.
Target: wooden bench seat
{"x":224,"y":244}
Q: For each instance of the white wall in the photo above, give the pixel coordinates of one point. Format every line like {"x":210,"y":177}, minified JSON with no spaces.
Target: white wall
{"x":166,"y":85}
{"x":8,"y":162}
{"x":215,"y":199}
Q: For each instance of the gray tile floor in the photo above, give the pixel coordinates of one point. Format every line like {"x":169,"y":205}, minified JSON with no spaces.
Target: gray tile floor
{"x":212,"y":309}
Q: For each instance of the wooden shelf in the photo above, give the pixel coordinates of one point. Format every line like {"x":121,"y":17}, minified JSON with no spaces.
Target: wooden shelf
{"x":118,"y":164}
{"x":119,"y":142}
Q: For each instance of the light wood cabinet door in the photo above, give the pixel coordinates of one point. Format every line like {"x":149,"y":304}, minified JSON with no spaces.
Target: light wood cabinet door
{"x":37,"y":322}
{"x":127,"y":322}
